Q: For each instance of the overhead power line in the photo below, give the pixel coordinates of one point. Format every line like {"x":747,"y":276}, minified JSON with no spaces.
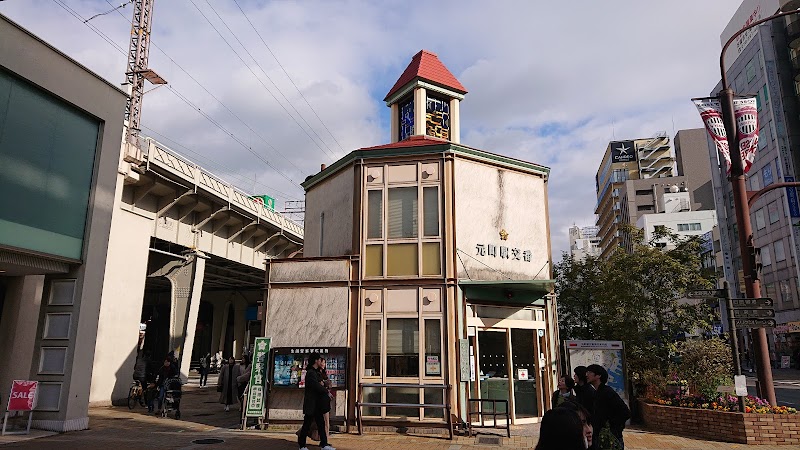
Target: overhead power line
{"x":288,"y":76}
{"x":328,"y":151}
{"x":263,"y":139}
{"x":106,"y":38}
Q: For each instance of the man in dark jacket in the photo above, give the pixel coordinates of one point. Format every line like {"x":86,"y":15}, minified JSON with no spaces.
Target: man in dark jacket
{"x":314,"y":403}
{"x":584,"y":392}
{"x":167,"y":371}
{"x":609,"y":408}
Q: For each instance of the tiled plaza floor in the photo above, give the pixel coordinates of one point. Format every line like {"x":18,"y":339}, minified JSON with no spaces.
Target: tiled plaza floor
{"x":117,"y":428}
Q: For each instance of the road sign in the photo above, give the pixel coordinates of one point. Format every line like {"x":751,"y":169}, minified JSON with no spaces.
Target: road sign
{"x":752,"y":303}
{"x":754,"y":323}
{"x":753,"y":313}
{"x":706,"y":293}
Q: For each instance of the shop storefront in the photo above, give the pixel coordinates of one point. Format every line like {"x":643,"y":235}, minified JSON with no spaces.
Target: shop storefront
{"x":444,"y":290}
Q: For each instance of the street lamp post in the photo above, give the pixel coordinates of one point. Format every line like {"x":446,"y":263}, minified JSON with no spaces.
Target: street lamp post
{"x":742,"y":207}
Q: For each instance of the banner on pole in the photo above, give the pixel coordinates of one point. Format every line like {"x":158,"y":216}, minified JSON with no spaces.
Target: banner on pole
{"x":746,"y":114}
{"x":257,"y":389}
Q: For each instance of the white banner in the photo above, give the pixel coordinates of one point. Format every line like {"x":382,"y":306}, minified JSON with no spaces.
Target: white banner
{"x":711,"y":113}
{"x":746,"y":127}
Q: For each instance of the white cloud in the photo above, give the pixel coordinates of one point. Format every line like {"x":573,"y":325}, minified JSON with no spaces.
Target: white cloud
{"x":549,"y":82}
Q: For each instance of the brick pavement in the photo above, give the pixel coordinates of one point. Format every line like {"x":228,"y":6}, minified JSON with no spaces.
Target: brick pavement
{"x":118,"y":428}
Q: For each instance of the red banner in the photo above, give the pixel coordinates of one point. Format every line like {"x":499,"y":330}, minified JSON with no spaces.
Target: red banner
{"x":745,"y":110}
{"x":23,"y":395}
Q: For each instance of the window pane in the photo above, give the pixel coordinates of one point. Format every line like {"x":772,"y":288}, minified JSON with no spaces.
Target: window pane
{"x":407,"y":119}
{"x":433,"y":348}
{"x":402,"y":347}
{"x":402,"y":395}
{"x":374,"y":214}
{"x":760,"y":222}
{"x":373,"y":261}
{"x":774,"y":215}
{"x":434,"y":396}
{"x":372,"y":348}
{"x":431,"y":262}
{"x":402,"y":217}
{"x":430,"y":199}
{"x":372,"y":395}
{"x":401,"y":259}
{"x":780,"y":254}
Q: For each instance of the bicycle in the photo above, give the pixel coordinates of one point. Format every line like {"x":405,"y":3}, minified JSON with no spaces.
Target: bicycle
{"x":135,"y":394}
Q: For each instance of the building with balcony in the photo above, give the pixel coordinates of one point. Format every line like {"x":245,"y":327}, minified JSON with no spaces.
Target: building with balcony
{"x":764,"y":62}
{"x":426,"y":273}
{"x":634,"y":175}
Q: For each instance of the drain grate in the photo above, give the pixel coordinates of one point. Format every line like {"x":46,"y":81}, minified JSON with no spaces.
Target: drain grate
{"x":208,"y":441}
{"x":485,"y":440}
{"x":203,"y":414}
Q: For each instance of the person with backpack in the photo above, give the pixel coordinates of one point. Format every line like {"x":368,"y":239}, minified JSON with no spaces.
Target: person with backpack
{"x":610,"y":411}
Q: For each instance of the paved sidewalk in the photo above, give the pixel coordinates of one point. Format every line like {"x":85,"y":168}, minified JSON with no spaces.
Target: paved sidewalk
{"x":118,"y":428}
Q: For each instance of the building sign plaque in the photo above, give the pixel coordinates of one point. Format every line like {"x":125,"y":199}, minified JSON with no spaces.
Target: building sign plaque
{"x":503,"y":252}
{"x":623,"y":151}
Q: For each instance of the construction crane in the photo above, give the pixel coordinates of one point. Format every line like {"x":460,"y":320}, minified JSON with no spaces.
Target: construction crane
{"x":136,"y":74}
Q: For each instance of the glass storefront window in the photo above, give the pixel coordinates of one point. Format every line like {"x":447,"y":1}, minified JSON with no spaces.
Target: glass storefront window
{"x":402,"y":347}
{"x":372,"y":348}
{"x":372,"y":395}
{"x":434,"y":396}
{"x":431,"y":261}
{"x":401,"y":259}
{"x":433,"y":347}
{"x":402,"y":212}
{"x":374,"y":214}
{"x":373,"y":261}
{"x":402,"y":395}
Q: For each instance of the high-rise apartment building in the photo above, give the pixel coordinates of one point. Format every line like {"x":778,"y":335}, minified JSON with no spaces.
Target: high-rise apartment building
{"x":583,"y":242}
{"x":635,"y":174}
{"x":765,"y":61}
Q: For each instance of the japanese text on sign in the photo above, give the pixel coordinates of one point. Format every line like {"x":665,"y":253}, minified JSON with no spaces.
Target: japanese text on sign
{"x":258,"y":375}
{"x":504,"y":252}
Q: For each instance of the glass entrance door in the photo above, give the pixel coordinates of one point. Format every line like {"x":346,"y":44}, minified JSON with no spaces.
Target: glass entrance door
{"x":524,"y":373}
{"x":493,"y":375}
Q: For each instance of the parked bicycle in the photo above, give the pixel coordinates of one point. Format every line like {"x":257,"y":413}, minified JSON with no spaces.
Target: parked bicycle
{"x":136,"y":395}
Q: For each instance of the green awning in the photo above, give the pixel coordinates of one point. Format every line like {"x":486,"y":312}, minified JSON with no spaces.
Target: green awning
{"x":507,"y":292}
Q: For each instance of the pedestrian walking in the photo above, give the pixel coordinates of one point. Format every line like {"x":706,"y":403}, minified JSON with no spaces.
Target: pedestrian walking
{"x":326,"y":405}
{"x":584,"y":393}
{"x":564,"y":393}
{"x":316,"y":396}
{"x":205,"y":363}
{"x":561,"y":429}
{"x":610,"y":411}
{"x":227,"y":385}
{"x":243,"y":379}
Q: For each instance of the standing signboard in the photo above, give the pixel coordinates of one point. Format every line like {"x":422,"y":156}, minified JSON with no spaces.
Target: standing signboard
{"x":21,"y":398}
{"x":256,"y":389}
{"x":609,"y":354}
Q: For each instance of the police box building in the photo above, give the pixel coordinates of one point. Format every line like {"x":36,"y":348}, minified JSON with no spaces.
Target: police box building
{"x":426,"y":274}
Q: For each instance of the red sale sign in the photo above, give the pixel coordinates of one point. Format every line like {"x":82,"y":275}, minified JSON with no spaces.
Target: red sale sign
{"x":23,"y":395}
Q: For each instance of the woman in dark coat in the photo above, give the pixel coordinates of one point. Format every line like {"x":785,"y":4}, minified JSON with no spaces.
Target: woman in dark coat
{"x":227,"y":385}
{"x":315,"y":403}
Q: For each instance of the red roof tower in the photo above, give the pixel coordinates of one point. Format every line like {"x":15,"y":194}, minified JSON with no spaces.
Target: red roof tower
{"x":425,"y":101}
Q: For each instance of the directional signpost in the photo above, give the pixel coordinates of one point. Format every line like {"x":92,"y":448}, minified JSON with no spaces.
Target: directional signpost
{"x":754,"y":323}
{"x":759,"y":303}
{"x":753,"y":312}
{"x":706,"y":293}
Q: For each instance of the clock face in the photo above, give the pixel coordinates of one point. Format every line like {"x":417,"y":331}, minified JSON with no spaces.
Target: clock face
{"x":437,"y":118}
{"x":407,"y":119}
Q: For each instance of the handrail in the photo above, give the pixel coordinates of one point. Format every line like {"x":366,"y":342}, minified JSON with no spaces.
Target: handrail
{"x":494,"y":413}
{"x":445,"y":406}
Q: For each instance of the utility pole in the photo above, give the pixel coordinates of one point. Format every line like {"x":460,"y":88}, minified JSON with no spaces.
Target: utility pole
{"x":136,"y":74}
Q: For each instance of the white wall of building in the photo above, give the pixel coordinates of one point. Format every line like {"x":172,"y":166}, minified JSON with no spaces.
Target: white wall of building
{"x":501,"y":200}
{"x":333,"y":198}
{"x":699,"y":222}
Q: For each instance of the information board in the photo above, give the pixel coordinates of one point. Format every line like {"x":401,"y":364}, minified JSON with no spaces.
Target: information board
{"x":609,"y":354}
{"x":289,"y":366}
{"x":258,"y":377}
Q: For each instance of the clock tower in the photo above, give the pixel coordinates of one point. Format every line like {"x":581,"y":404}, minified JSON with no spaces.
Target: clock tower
{"x":425,"y":101}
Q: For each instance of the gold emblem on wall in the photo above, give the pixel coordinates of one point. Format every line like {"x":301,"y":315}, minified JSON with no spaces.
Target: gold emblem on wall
{"x":503,"y":235}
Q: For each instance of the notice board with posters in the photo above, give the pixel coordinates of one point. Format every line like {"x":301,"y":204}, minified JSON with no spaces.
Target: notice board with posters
{"x":609,"y":354}
{"x":289,"y":366}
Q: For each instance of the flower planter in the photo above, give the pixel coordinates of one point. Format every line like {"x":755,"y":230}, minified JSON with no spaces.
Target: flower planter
{"x":723,"y":426}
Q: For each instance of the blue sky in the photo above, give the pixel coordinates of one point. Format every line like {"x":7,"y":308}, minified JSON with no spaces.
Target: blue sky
{"x":550,"y":82}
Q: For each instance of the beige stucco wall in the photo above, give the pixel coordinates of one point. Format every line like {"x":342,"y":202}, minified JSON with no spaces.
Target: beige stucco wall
{"x":333,"y":197}
{"x":501,"y":200}
{"x":121,"y":308}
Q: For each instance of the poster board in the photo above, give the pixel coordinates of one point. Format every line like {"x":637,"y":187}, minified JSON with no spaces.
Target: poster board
{"x":609,"y":354}
{"x":289,"y":366}
{"x":21,"y":398}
